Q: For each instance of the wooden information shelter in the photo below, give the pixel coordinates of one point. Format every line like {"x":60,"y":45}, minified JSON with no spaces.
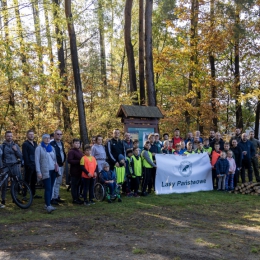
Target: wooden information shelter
{"x":140,"y":121}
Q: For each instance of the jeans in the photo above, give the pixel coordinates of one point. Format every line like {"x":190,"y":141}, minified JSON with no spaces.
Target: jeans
{"x":88,"y":188}
{"x":57,"y":184}
{"x":75,"y":182}
{"x":48,"y":187}
{"x":230,"y":181}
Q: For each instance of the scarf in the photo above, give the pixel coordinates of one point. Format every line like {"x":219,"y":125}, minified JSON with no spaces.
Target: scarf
{"x":48,"y":147}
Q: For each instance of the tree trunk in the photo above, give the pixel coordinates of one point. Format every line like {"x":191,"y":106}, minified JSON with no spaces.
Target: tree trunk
{"x":62,"y":68}
{"x":102,"y":45}
{"x":151,"y":94}
{"x":239,"y":116}
{"x":141,"y":52}
{"x":193,"y":48}
{"x":47,"y":27}
{"x":129,"y":48}
{"x":121,"y":71}
{"x":257,"y":113}
{"x":25,"y":67}
{"x":76,"y":73}
{"x":37,"y":28}
{"x":213,"y":70}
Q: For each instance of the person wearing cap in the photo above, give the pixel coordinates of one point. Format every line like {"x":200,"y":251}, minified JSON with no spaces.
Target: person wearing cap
{"x":176,"y":139}
{"x":108,"y":177}
{"x":157,"y":142}
{"x":45,"y":160}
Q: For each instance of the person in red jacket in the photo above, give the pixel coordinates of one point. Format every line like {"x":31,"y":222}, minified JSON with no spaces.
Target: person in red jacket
{"x":214,"y":158}
{"x":176,"y":139}
{"x":74,"y":157}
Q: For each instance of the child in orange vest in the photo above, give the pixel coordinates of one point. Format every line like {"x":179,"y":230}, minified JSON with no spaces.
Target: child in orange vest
{"x":89,"y":173}
{"x":214,"y":158}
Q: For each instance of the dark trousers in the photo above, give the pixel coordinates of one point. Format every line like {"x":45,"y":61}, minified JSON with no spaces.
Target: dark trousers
{"x":152,"y":179}
{"x":75,"y":182}
{"x":48,"y":187}
{"x":135,"y":184}
{"x":214,"y":179}
{"x":246,"y":165}
{"x":146,"y":178}
{"x":112,"y":187}
{"x":88,"y":188}
{"x":236,"y":177}
{"x":30,"y":177}
{"x":254,"y":161}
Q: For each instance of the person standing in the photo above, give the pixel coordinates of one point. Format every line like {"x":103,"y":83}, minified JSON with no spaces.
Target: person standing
{"x":211,"y":136}
{"x":11,"y":153}
{"x":176,"y":139}
{"x":158,"y":142}
{"x":99,"y":152}
{"x":237,"y":136}
{"x":28,"y":150}
{"x":45,"y":160}
{"x":115,"y":150}
{"x":128,"y":143}
{"x":74,"y":157}
{"x":237,"y":152}
{"x":248,"y":152}
{"x":218,"y":140}
{"x":61,"y":157}
{"x":254,"y":160}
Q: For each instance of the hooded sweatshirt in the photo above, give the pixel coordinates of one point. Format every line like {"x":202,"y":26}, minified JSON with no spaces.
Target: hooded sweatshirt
{"x":99,"y":152}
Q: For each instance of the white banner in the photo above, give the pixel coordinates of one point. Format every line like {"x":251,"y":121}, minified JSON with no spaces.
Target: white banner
{"x":179,"y":174}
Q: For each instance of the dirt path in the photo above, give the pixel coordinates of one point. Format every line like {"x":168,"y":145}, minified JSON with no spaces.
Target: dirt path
{"x":158,"y":234}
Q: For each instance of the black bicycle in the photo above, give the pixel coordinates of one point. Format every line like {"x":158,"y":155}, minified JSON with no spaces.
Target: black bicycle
{"x":21,"y":193}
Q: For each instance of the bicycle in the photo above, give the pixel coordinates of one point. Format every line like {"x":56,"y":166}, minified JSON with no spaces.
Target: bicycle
{"x":20,"y":191}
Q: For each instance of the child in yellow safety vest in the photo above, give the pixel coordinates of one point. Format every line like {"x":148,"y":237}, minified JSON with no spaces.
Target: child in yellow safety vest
{"x":148,"y":164}
{"x":137,"y":169}
{"x":89,"y":173}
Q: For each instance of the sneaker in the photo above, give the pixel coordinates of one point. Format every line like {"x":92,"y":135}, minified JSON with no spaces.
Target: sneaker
{"x":109,"y":201}
{"x":50,"y":209}
{"x":2,"y":206}
{"x":3,"y":202}
{"x":119,"y":200}
{"x":37,"y":197}
{"x":92,"y":202}
{"x":54,"y":202}
{"x":86,"y":203}
{"x":136,"y":195}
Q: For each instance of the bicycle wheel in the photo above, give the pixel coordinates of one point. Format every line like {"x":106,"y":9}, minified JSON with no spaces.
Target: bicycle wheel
{"x":21,"y":194}
{"x":99,"y":192}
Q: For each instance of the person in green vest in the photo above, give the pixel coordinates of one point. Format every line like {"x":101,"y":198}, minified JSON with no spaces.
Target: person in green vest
{"x":137,"y":169}
{"x":148,"y":165}
{"x":207,"y":148}
{"x":189,"y":149}
{"x":200,"y":148}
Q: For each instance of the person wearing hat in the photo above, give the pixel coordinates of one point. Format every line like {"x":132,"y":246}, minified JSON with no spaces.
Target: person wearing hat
{"x":108,"y":177}
{"x":45,"y":162}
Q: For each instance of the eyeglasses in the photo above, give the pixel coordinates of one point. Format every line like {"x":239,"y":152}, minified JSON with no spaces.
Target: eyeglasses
{"x":58,"y":134}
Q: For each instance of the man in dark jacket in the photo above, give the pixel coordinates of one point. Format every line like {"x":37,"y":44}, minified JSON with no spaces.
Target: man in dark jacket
{"x":254,"y":160}
{"x":28,"y":150}
{"x":237,"y":136}
{"x":74,"y":157}
{"x":115,"y":150}
{"x":61,"y":158}
{"x":237,"y":152}
{"x":218,"y":140}
{"x":248,"y":152}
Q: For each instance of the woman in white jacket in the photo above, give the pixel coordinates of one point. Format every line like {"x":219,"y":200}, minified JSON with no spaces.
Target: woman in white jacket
{"x":45,"y":161}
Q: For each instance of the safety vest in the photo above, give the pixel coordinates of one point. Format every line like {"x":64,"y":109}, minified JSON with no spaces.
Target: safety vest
{"x":129,"y":165}
{"x":120,"y":174}
{"x":208,"y":149}
{"x":137,"y":166}
{"x":90,"y":166}
{"x":145,"y":163}
{"x":188,"y":153}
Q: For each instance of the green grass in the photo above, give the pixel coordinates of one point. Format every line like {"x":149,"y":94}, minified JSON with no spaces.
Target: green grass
{"x":138,"y":251}
{"x":232,"y":208}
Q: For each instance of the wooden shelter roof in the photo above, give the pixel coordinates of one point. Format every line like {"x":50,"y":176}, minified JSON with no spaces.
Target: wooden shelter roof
{"x":139,"y":111}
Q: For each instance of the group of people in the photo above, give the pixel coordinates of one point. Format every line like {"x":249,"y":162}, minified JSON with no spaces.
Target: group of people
{"x":122,"y":162}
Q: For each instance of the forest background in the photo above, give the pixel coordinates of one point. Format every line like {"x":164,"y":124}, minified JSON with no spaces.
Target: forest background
{"x":70,"y":65}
